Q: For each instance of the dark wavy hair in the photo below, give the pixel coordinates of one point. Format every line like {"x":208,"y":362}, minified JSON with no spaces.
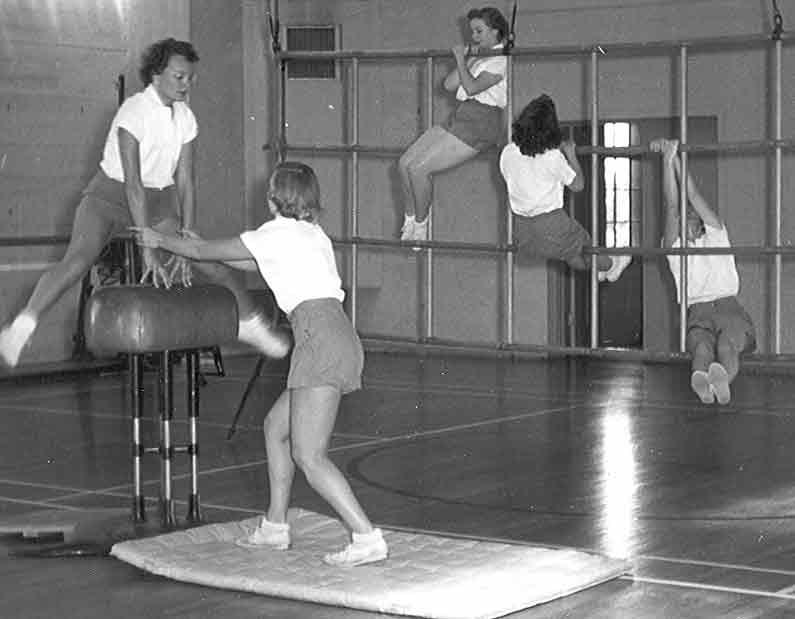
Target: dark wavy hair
{"x":294,"y":189}
{"x":155,"y":59}
{"x":492,"y":18}
{"x":536,"y":129}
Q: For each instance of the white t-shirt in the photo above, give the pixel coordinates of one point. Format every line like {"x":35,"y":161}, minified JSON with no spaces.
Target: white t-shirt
{"x":535,"y":184}
{"x":161,"y":132}
{"x":296,"y":258}
{"x":708,"y":277}
{"x":497,"y":94}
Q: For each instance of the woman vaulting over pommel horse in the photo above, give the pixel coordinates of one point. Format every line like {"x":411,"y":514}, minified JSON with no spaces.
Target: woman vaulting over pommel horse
{"x":146,"y":178}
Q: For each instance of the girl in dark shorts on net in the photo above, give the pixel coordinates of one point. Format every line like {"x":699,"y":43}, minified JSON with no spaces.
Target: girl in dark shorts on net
{"x":296,"y":259}
{"x":477,"y":123}
{"x":536,"y":166}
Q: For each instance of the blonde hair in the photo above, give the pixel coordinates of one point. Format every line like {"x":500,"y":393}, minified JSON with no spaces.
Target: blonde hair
{"x":294,"y":190}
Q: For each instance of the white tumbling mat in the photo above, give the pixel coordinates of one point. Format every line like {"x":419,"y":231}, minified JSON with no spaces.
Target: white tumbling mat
{"x":425,"y":575}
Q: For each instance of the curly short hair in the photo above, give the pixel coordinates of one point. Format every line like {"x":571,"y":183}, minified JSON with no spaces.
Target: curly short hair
{"x":155,"y":59}
{"x":492,"y":18}
{"x":294,"y":190}
{"x":536,"y":130}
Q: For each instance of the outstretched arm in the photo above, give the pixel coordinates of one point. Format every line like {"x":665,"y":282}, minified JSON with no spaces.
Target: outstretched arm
{"x":185,"y":181}
{"x":221,"y":250}
{"x":129,"y":150}
{"x":696,"y":199}
{"x":670,"y":189}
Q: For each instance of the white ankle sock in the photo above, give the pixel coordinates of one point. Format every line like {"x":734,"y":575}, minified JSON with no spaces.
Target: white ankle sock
{"x":25,"y":324}
{"x":367,"y":538}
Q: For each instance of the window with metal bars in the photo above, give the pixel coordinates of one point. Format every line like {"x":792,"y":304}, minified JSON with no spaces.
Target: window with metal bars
{"x":311,"y":39}
{"x":622,"y":190}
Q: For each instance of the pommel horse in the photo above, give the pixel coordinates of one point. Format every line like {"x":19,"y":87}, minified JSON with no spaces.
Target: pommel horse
{"x":137,"y":321}
{"x":141,"y":320}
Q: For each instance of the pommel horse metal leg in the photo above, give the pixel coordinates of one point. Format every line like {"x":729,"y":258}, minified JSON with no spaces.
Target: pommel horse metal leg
{"x":140,"y":320}
{"x":166,"y":450}
{"x":192,"y":366}
{"x":135,"y":365}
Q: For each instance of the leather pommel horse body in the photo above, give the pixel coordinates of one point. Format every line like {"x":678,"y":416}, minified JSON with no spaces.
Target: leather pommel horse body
{"x":141,"y":320}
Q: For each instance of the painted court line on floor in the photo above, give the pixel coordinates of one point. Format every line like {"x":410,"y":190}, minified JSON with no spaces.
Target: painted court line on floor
{"x":70,"y":412}
{"x":46,"y":504}
{"x":696,"y":585}
{"x":38,"y":485}
{"x":733,"y":566}
{"x":357,"y":445}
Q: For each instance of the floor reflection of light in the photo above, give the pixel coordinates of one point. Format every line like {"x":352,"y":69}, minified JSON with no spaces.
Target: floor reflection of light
{"x":120,"y":7}
{"x":618,"y":481}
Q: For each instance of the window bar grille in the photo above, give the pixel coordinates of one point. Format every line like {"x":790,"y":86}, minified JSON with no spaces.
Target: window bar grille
{"x":594,"y":196}
{"x":683,"y":198}
{"x":777,"y":201}
{"x":508,"y":334}
{"x":354,"y":189}
{"x":429,"y":250}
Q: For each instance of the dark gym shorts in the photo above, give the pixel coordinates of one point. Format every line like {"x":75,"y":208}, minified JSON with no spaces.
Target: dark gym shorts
{"x":161,"y":204}
{"x":327,"y":350}
{"x":724,"y":315}
{"x":477,"y":124}
{"x":551,"y":235}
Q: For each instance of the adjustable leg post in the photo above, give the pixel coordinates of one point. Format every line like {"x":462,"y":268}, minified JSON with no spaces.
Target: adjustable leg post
{"x":192,"y":368}
{"x":136,"y":406}
{"x":165,"y":375}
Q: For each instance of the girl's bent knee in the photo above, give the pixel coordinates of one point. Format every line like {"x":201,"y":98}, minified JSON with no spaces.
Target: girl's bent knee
{"x":309,"y":461}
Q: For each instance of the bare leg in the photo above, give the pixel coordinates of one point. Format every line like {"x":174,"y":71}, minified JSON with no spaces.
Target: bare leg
{"x":420,"y":145}
{"x":92,"y":228}
{"x":700,"y":346}
{"x":223,"y":275}
{"x":281,"y":468}
{"x":728,"y":352}
{"x":434,"y":151}
{"x":313,"y":411}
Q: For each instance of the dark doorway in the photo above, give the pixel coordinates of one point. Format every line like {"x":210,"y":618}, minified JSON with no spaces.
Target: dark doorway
{"x":639,"y":310}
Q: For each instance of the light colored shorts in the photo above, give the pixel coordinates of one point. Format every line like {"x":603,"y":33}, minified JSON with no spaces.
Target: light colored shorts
{"x":551,"y":235}
{"x":327,"y":350}
{"x":478,"y":125}
{"x":723,"y":316}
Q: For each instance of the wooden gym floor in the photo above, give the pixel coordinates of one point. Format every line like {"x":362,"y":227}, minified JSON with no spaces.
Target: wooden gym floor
{"x":618,"y":458}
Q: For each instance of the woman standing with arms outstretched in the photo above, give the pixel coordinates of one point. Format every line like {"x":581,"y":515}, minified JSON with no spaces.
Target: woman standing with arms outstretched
{"x":296,"y":258}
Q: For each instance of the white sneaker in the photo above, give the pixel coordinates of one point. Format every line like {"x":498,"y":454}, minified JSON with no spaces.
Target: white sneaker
{"x":719,"y":382}
{"x":273,"y":534}
{"x":699,"y":382}
{"x":269,"y":341}
{"x":420,"y":232}
{"x":619,"y":264}
{"x":365,"y":548}
{"x":14,"y":337}
{"x":407,"y":231}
